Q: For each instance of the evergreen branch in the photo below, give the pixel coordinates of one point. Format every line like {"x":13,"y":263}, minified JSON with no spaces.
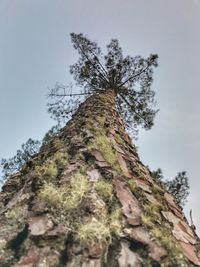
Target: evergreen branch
{"x":126,"y":101}
{"x":132,"y":77}
{"x":100,"y":63}
{"x":85,"y":55}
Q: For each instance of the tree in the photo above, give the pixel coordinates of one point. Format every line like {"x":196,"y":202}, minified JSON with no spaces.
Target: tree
{"x":50,"y":134}
{"x":178,"y":186}
{"x":158,"y":175}
{"x":12,"y":165}
{"x":130,"y":78}
{"x":28,"y":150}
{"x":87,"y":200}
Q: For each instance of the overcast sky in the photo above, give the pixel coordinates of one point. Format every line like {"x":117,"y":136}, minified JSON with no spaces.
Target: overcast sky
{"x":35,"y":52}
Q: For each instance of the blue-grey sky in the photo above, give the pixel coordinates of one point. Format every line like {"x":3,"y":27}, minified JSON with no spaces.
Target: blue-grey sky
{"x":35,"y":52}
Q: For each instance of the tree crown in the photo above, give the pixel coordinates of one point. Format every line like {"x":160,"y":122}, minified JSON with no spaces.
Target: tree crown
{"x":130,"y":78}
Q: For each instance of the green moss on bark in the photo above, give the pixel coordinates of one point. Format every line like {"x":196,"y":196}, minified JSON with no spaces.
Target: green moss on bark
{"x":105,"y":146}
{"x":65,"y":197}
{"x":105,"y":190}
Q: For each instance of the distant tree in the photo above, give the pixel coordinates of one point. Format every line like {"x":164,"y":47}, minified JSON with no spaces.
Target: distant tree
{"x":130,"y":78}
{"x":51,"y":134}
{"x":178,"y":186}
{"x":158,"y":175}
{"x":28,"y":150}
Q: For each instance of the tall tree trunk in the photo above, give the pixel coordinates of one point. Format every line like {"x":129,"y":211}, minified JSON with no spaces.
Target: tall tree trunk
{"x":87,"y":200}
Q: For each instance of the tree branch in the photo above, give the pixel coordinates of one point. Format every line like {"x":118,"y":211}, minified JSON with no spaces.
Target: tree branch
{"x":99,"y":63}
{"x":126,"y":101}
{"x":104,"y":78}
{"x":192,"y":223}
{"x":132,"y":77}
{"x":63,"y":95}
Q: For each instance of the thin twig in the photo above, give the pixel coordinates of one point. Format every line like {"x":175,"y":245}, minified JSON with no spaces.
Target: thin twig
{"x":63,"y":95}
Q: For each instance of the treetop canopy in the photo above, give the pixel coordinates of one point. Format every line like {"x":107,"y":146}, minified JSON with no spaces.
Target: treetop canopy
{"x":130,"y":77}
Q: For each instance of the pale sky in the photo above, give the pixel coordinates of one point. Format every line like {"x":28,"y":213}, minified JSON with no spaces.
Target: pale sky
{"x":35,"y":52}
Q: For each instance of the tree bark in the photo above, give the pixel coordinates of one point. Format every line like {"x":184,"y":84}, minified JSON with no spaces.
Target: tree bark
{"x":87,"y":200}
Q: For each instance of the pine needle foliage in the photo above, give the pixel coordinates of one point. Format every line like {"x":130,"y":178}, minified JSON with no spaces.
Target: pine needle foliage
{"x":13,"y":165}
{"x":178,"y":187}
{"x":129,"y":77}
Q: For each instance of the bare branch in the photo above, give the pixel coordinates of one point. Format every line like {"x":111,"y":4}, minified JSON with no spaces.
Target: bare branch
{"x":63,"y":95}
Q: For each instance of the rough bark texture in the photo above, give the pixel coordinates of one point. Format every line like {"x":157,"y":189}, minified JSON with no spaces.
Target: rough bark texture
{"x":87,"y":200}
